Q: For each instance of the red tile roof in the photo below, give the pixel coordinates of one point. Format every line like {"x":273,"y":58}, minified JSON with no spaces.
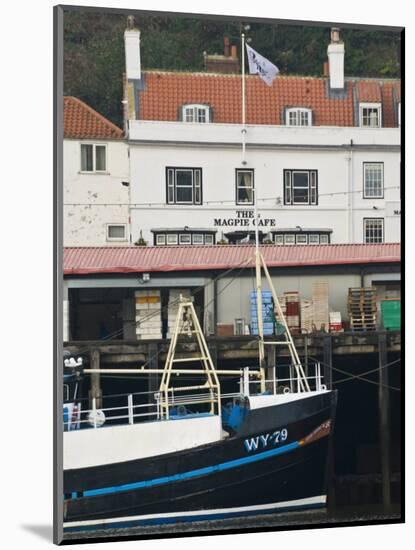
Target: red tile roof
{"x":91,"y":260}
{"x":166,"y":92}
{"x":80,"y":121}
{"x":389,"y":111}
{"x":368,"y":90}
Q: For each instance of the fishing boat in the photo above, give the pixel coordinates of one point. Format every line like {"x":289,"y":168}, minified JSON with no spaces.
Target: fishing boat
{"x":190,"y":452}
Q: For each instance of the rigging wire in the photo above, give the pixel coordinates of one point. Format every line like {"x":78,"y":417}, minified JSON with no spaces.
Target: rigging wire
{"x":361,"y":376}
{"x":213,"y":202}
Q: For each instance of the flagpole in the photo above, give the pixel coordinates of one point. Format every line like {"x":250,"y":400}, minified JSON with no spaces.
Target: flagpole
{"x":243,"y":101}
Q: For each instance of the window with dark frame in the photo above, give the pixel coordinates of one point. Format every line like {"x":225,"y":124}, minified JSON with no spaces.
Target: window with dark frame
{"x":300,"y":187}
{"x":183,"y":239}
{"x":302,"y":238}
{"x":244,"y":186}
{"x":373,"y":230}
{"x":373,"y":180}
{"x":184,"y":185}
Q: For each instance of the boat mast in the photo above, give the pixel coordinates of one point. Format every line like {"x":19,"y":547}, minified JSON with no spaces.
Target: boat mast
{"x":261,"y":350}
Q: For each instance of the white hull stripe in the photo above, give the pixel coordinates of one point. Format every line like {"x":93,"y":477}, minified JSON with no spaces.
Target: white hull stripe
{"x":108,"y":522}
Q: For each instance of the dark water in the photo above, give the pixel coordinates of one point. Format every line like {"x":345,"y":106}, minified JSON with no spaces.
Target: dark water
{"x":310,"y":518}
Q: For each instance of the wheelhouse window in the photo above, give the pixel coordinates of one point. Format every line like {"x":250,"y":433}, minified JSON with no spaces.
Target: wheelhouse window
{"x":244,"y":187}
{"x":116,"y":232}
{"x":93,"y":157}
{"x":373,"y":230}
{"x":370,"y":115}
{"x":298,"y":117}
{"x":373,"y":180}
{"x":300,"y":187}
{"x":196,"y":113}
{"x":184,"y":185}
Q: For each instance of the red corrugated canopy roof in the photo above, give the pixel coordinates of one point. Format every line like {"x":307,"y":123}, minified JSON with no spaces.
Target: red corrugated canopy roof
{"x":91,"y":260}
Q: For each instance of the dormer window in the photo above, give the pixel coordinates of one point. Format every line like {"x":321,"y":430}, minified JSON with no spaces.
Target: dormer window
{"x":298,"y":116}
{"x":370,"y":115}
{"x":196,"y":113}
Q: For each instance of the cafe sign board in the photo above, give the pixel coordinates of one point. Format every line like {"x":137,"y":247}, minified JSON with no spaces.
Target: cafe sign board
{"x":244,"y":218}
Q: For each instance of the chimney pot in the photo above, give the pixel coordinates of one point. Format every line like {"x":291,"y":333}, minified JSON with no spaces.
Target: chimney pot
{"x":335,"y":35}
{"x":326,"y":68}
{"x":234,"y":54}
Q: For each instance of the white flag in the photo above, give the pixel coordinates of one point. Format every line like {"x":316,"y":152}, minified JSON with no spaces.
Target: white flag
{"x":260,"y":65}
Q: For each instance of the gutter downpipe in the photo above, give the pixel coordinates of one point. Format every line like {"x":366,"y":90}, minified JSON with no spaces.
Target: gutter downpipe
{"x":350,"y":194}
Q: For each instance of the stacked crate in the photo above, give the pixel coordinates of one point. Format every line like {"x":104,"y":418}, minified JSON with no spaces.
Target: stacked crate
{"x":362,"y":308}
{"x":148,"y":314}
{"x":292,"y":301}
{"x":173,"y":307}
{"x":335,"y":321}
{"x":306,"y":316}
{"x":320,"y":298}
{"x":267,"y":313}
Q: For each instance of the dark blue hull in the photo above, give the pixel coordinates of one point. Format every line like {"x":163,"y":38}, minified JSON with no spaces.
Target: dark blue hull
{"x":275,"y":461}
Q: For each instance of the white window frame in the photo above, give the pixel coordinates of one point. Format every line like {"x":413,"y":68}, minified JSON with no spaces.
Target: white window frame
{"x":366,"y":195}
{"x":160,"y":239}
{"x":324,"y":238}
{"x":363,"y":106}
{"x":299,"y":237}
{"x":299,"y":114}
{"x":279,"y":239}
{"x":191,"y":113}
{"x":118,"y":239}
{"x":172,"y":237}
{"x":382,"y":226}
{"x":209,"y":237}
{"x":288,"y":237}
{"x":185,"y":237}
{"x":94,"y":157}
{"x":197,"y":237}
{"x":315,"y":237}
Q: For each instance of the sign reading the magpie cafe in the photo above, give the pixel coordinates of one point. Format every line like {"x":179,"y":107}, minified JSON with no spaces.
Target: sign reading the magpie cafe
{"x":244,"y":218}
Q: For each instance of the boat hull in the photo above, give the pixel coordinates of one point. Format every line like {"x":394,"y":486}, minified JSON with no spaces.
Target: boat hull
{"x":276,"y":461}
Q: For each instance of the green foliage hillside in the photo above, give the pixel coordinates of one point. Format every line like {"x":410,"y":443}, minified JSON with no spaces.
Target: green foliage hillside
{"x":94,"y":51}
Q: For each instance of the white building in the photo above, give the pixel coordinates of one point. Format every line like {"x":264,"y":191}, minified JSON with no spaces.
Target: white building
{"x":96,"y":178}
{"x":322,"y":155}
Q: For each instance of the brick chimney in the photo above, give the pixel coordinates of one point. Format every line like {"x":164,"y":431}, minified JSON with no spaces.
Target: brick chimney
{"x":228,"y":63}
{"x":335,"y":53}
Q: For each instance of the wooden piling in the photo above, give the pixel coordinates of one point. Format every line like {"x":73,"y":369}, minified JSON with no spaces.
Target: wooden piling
{"x":384,"y":420}
{"x":328,"y":361}
{"x":154,"y":378}
{"x":95,"y":391}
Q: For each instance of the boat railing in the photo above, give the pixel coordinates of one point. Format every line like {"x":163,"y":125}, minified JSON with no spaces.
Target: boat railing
{"x":288,"y":383}
{"x":182,"y":401}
